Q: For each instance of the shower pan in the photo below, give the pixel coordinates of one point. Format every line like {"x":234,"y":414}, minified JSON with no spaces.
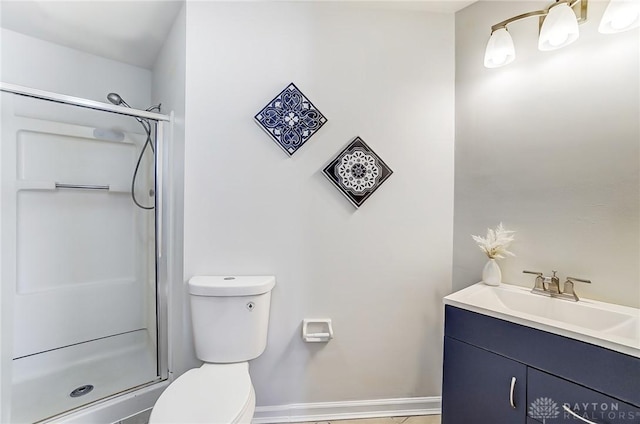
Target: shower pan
{"x":83,"y":264}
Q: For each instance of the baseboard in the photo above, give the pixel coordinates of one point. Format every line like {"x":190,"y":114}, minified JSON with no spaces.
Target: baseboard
{"x":326,"y":411}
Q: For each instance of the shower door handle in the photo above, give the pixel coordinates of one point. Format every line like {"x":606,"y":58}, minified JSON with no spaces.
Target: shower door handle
{"x":159,"y":186}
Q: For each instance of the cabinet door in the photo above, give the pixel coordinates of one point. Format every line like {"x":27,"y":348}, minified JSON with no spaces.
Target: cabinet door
{"x":548,"y":396}
{"x":477,"y":386}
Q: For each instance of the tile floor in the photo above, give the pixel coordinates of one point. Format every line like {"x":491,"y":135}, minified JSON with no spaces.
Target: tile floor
{"x":418,"y":419}
{"x":143,"y":418}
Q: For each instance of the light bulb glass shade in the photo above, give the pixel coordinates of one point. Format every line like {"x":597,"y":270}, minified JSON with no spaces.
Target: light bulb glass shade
{"x":500,"y":50}
{"x":559,"y":29}
{"x":620,"y":15}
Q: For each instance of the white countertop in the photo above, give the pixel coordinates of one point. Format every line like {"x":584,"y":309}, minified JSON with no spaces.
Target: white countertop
{"x":603,"y":324}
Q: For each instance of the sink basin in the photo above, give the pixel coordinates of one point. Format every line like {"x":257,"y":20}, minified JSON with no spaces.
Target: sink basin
{"x":604,"y":324}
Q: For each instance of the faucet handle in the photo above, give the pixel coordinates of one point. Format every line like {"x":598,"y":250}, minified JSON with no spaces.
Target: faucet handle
{"x":572,"y":279}
{"x":568,"y":287}
{"x":538,"y":285}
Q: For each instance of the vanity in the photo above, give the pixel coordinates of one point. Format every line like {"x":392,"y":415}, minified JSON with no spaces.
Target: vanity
{"x":514,"y":357}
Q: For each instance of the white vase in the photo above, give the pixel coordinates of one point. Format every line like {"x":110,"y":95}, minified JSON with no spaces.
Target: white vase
{"x":491,"y":274}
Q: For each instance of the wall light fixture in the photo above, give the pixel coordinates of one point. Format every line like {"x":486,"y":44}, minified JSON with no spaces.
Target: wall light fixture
{"x":558,"y":26}
{"x":620,"y":15}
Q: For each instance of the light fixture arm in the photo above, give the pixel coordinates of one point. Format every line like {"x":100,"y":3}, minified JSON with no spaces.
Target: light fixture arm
{"x":558,"y":27}
{"x":539,"y":13}
{"x":506,"y":22}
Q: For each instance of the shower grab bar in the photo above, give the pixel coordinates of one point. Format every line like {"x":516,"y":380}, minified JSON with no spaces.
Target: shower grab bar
{"x":83,"y":186}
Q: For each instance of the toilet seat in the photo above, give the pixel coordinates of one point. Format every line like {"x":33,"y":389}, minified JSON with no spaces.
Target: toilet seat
{"x":213,"y":393}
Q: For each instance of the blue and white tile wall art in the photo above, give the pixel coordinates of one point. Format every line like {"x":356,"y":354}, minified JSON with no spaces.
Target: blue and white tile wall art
{"x":290,"y":119}
{"x":357,"y":172}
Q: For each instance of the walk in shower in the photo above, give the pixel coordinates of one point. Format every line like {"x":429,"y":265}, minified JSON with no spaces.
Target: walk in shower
{"x":83,"y":286}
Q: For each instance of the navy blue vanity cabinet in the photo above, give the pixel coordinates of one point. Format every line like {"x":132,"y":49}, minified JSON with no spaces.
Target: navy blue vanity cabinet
{"x":482,"y":354}
{"x":478,"y":383}
{"x":586,"y":403}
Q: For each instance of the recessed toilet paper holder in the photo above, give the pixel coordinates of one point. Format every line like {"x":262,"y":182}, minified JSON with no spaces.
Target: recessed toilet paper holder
{"x":317,"y":330}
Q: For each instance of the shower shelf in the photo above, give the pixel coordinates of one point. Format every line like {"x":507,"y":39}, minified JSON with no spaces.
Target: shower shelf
{"x":51,"y":185}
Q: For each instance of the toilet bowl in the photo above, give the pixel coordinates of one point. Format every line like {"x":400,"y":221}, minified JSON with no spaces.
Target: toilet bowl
{"x":230,"y":317}
{"x":213,"y":393}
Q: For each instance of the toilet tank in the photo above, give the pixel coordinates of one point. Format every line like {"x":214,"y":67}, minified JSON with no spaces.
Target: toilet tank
{"x":230,"y":316}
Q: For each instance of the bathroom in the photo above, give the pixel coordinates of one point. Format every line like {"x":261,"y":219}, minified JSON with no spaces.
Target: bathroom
{"x":548,"y":145}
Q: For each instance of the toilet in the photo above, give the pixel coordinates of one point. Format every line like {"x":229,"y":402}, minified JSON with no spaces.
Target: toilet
{"x":230,"y":318}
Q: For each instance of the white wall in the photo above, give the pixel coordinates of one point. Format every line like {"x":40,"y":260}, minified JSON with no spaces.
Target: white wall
{"x":47,"y":66}
{"x":380,"y":272}
{"x":549,"y":145}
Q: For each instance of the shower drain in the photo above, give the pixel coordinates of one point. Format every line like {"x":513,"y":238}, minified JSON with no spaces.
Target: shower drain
{"x":81,"y":391}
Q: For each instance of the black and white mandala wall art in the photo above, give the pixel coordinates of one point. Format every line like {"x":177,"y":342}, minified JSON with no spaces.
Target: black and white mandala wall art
{"x":357,"y":172}
{"x":290,"y":119}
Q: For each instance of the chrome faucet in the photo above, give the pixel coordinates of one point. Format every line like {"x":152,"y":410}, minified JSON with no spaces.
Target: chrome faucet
{"x":550,"y":286}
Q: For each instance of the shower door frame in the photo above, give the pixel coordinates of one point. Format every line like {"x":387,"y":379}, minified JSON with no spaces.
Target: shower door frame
{"x":164,"y":131}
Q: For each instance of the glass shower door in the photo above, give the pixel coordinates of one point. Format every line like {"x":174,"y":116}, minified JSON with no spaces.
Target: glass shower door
{"x":78,"y":254}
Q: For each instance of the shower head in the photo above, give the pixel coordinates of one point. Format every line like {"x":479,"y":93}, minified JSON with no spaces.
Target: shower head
{"x":116,"y":99}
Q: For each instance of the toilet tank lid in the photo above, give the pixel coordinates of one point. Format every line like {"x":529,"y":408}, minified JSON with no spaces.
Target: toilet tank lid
{"x":226,"y":285}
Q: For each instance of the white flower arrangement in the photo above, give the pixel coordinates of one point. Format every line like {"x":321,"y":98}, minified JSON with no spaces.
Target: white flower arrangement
{"x":496,"y":243}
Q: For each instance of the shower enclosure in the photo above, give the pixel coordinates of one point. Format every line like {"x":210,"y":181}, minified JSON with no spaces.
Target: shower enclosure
{"x":83,"y":267}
